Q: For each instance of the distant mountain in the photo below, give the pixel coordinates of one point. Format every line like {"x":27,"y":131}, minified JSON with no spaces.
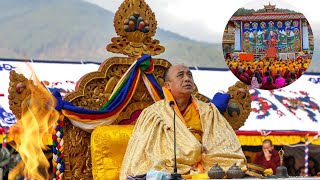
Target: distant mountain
{"x":78,"y":30}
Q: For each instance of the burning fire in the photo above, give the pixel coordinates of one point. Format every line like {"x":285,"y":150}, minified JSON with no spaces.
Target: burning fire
{"x":36,"y":124}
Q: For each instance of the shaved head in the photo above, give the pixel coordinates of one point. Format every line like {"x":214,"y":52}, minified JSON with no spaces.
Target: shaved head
{"x":168,"y":71}
{"x":179,"y":80}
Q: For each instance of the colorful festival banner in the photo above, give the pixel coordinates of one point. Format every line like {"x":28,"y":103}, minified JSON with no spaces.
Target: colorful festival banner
{"x":286,"y":33}
{"x":293,"y":108}
{"x":7,"y":119}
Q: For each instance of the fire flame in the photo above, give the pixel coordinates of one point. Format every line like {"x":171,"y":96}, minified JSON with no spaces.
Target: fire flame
{"x":36,"y":125}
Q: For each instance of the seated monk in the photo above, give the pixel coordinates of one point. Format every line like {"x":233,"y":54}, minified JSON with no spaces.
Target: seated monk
{"x":203,"y":135}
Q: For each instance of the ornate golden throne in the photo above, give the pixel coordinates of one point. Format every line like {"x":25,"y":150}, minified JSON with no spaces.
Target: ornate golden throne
{"x":98,"y":154}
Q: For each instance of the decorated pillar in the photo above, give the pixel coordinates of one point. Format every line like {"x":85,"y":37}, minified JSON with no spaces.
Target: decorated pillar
{"x":237,"y":37}
{"x":306,"y":156}
{"x":305,"y":36}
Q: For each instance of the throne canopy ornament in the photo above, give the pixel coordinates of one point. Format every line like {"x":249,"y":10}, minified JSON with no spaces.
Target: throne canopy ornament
{"x":135,"y":25}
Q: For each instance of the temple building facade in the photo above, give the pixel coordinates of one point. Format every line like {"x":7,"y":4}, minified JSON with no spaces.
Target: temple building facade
{"x":289,"y":34}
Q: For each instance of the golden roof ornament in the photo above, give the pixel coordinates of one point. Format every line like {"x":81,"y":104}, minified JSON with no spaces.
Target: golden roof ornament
{"x":269,"y":8}
{"x":135,"y":25}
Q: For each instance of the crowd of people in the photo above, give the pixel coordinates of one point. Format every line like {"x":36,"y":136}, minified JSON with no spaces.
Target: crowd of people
{"x":313,"y":167}
{"x":204,"y":136}
{"x":269,"y":158}
{"x":268,"y":73}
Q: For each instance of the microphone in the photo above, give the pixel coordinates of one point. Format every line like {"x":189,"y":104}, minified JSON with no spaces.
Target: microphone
{"x":175,"y":175}
{"x":171,"y":103}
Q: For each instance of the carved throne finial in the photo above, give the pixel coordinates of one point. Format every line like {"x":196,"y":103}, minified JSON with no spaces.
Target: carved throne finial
{"x":135,"y":25}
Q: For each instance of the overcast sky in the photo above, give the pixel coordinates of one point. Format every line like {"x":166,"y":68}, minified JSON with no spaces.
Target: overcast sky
{"x":205,"y":19}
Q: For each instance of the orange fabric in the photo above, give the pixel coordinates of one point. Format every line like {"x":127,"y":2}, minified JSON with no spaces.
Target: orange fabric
{"x":190,"y":117}
{"x":199,"y":166}
{"x":246,"y":57}
{"x":192,"y":121}
{"x":167,"y":94}
{"x":274,"y":71}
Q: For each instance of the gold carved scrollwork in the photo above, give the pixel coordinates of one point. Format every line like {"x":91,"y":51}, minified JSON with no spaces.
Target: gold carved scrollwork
{"x":19,"y":90}
{"x":93,"y":90}
{"x":128,"y":111}
{"x":135,"y":24}
{"x":239,"y":105}
{"x":202,"y":97}
{"x":141,"y":93}
{"x":141,"y":98}
{"x":129,"y":8}
{"x":77,"y":153}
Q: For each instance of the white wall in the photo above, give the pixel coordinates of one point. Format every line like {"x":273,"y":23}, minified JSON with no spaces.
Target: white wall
{"x":208,"y":82}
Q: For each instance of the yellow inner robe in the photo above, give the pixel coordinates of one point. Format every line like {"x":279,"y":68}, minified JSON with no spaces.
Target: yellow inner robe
{"x":192,"y":121}
{"x":151,"y":143}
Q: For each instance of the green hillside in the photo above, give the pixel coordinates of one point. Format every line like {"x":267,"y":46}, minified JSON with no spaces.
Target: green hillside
{"x":77,"y":30}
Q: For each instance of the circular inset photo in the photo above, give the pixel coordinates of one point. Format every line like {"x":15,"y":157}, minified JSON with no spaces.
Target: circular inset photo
{"x":268,"y":46}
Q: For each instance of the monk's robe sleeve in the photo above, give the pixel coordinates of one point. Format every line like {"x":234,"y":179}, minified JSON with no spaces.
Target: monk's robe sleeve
{"x":219,"y":139}
{"x":151,"y":144}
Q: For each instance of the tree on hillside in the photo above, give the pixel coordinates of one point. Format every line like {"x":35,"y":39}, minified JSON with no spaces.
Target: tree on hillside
{"x":244,"y":11}
{"x":280,"y":10}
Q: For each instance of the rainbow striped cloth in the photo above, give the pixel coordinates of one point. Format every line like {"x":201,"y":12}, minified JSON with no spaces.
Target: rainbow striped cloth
{"x":87,"y":119}
{"x":143,"y":67}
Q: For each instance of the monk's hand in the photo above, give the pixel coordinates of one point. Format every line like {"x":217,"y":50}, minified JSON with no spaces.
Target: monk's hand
{"x":267,"y":154}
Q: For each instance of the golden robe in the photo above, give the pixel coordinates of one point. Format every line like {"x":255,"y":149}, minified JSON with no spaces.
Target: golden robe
{"x":151,"y":143}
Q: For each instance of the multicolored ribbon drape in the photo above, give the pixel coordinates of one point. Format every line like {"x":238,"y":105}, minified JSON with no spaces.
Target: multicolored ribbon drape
{"x":88,"y":119}
{"x":306,"y":156}
{"x":4,"y":137}
{"x":58,"y":150}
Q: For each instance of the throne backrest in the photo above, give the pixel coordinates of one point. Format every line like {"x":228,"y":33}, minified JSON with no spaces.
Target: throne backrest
{"x":93,"y":90}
